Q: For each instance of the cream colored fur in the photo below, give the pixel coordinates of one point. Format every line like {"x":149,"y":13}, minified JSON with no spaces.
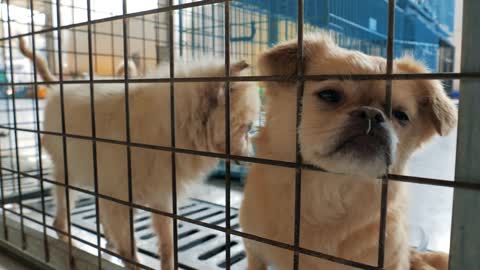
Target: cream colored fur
{"x":199,"y":125}
{"x":340,"y":212}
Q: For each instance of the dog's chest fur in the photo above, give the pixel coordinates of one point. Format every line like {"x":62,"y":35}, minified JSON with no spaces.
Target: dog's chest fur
{"x":336,"y":211}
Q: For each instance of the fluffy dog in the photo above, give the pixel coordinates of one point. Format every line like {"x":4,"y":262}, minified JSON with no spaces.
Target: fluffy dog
{"x":199,"y":125}
{"x":344,"y":129}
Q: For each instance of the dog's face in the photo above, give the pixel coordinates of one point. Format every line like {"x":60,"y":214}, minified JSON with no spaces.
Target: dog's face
{"x":244,"y":109}
{"x":344,"y":127}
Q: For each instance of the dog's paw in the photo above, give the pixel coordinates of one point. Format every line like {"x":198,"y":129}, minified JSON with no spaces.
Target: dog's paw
{"x":61,"y":227}
{"x":167,"y":262}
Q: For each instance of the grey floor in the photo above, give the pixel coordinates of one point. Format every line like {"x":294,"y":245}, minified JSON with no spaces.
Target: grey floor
{"x":9,"y":263}
{"x":430,"y":211}
{"x":431,"y":207}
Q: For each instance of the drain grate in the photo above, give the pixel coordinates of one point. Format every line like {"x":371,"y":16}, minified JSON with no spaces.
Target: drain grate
{"x":30,"y":186}
{"x":198,"y":247}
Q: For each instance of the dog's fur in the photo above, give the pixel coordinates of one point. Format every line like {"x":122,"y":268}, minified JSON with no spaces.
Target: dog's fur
{"x":340,"y":211}
{"x":134,"y":65}
{"x":199,"y":125}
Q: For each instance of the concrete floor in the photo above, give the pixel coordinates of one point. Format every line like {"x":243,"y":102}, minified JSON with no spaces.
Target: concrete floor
{"x":8,"y":263}
{"x":431,"y":206}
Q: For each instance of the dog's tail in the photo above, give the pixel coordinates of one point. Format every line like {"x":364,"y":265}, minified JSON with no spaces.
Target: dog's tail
{"x":40,"y":62}
{"x":428,"y":260}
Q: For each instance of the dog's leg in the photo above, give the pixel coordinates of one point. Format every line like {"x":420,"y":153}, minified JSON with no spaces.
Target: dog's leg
{"x":163,"y":226}
{"x":428,"y":260}
{"x":253,"y":261}
{"x":108,"y":238}
{"x":60,"y":221}
{"x":115,"y":220}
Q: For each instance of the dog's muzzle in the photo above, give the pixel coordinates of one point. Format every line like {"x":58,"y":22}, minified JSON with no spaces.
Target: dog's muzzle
{"x":367,"y":135}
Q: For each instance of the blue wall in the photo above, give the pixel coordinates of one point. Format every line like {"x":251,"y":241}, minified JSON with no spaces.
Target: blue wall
{"x":417,"y":27}
{"x":444,"y":12}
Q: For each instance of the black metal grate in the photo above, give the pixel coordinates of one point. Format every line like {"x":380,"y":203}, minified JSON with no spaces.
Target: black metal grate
{"x":198,"y":247}
{"x":30,"y":188}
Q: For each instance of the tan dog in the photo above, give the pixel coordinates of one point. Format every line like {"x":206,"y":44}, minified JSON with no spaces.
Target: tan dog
{"x":343,"y":129}
{"x":199,"y":125}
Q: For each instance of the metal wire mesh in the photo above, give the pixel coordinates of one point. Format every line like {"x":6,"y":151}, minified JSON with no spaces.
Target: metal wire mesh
{"x":226,"y":28}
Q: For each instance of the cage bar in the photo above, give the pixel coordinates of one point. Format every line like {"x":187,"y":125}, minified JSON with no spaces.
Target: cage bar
{"x":465,"y":238}
{"x":39,"y":146}
{"x":298,"y":156}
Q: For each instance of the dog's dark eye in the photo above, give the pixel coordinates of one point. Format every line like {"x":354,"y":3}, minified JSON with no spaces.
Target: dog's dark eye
{"x":400,"y":116}
{"x":330,"y":96}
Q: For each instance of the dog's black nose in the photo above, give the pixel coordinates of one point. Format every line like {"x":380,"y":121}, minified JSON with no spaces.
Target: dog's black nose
{"x":369,"y":113}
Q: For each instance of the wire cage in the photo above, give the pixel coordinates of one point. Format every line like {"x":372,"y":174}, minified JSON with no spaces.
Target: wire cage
{"x":95,"y":42}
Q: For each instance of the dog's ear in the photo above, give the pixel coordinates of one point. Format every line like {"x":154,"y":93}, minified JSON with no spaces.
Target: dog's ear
{"x":136,"y":58}
{"x":441,"y":108}
{"x":279,"y":60}
{"x":282,"y":60}
{"x":437,"y":106}
{"x":237,"y":67}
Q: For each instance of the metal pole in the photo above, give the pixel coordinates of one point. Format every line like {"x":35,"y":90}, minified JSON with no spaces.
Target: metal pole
{"x":465,"y":238}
